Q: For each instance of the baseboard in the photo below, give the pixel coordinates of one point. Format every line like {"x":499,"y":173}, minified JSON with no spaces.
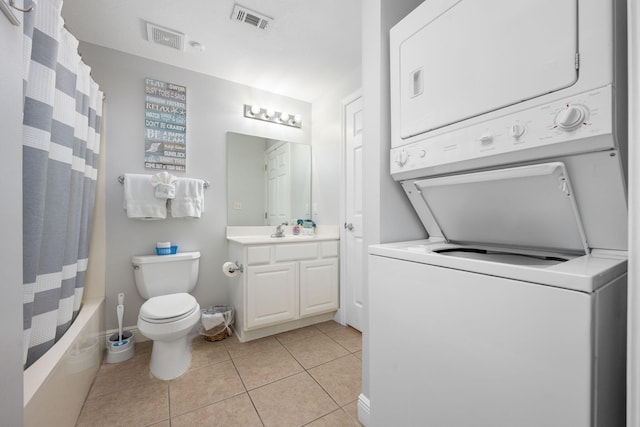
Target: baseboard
{"x":364,"y":409}
{"x":254,"y":334}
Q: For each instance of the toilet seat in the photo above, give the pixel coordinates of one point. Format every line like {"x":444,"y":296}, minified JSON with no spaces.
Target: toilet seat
{"x":168,"y":308}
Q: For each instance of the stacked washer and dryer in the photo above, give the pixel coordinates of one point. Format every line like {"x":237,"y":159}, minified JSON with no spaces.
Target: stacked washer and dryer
{"x":508,"y":137}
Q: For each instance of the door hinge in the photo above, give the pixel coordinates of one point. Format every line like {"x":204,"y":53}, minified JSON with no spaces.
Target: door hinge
{"x":577,"y":60}
{"x":265,"y":215}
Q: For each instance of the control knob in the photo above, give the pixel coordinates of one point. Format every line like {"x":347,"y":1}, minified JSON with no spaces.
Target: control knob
{"x":486,"y":138}
{"x":516,"y":130}
{"x":571,"y":117}
{"x":402,"y":157}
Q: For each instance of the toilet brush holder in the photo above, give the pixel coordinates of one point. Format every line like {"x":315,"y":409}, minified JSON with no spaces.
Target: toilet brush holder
{"x":120,"y":350}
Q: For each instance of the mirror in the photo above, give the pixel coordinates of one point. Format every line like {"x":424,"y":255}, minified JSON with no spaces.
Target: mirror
{"x":268,"y":181}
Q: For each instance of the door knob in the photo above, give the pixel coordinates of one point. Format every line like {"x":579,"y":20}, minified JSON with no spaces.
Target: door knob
{"x":348,"y":226}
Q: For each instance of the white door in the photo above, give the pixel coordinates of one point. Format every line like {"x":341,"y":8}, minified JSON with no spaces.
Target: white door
{"x":278,"y":185}
{"x":353,"y":232}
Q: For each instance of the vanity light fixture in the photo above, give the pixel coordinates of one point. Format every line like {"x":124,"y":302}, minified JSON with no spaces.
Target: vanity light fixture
{"x":270,"y":115}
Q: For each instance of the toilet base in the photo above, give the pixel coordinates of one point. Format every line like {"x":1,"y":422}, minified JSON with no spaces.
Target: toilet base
{"x":171,"y":359}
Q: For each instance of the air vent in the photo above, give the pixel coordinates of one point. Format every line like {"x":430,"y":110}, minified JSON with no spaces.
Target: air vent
{"x":165,"y":36}
{"x":248,"y":16}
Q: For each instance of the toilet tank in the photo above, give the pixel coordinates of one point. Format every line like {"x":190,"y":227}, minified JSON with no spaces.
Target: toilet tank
{"x":157,"y":275}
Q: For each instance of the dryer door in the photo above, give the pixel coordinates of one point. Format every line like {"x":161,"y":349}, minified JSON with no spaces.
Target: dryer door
{"x":465,"y":58}
{"x":529,"y":207}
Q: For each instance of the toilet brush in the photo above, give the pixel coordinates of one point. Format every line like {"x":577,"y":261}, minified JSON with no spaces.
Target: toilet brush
{"x":120,"y":345}
{"x":120,"y":310}
{"x":120,"y":313}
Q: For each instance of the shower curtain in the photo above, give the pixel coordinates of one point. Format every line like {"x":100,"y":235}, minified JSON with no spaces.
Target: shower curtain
{"x":61,"y":138}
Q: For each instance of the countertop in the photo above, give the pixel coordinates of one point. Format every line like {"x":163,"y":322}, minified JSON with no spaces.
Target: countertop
{"x":260,"y":235}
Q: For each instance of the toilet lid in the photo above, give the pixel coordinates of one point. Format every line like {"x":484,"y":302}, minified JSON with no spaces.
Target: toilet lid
{"x":166,"y":307}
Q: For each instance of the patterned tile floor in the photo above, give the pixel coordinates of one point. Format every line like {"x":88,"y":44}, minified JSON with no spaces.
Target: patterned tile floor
{"x":306,"y":377}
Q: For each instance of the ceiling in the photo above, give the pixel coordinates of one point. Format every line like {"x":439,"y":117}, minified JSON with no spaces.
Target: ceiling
{"x":311,"y":43}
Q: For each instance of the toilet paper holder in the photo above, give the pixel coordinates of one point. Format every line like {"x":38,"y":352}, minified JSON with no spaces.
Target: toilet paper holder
{"x":236,"y":267}
{"x":232,"y":269}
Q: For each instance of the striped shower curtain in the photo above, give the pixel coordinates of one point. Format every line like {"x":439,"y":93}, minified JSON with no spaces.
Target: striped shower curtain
{"x":61,"y":138}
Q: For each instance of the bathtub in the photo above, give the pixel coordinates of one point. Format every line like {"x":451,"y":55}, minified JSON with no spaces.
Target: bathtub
{"x":57,"y":384}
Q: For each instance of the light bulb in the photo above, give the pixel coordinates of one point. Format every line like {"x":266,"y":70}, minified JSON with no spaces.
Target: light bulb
{"x":255,"y":110}
{"x":284,"y":117}
{"x":269,"y":113}
{"x":297,"y":119}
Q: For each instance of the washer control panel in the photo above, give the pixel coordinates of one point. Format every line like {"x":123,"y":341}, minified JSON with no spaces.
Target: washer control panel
{"x":562,"y":127}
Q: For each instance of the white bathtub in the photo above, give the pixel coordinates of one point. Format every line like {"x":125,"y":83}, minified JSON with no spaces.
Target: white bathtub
{"x":57,"y":384}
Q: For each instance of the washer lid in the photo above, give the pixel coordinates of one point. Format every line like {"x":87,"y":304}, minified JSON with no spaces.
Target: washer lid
{"x":527,"y":207}
{"x":168,"y":306}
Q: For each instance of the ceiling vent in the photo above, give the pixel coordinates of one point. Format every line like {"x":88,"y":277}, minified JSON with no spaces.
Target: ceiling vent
{"x":165,"y":36}
{"x":248,"y":16}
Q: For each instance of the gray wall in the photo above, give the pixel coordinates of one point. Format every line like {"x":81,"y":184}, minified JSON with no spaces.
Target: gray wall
{"x":214,"y":107}
{"x":326,"y":149}
{"x":11,"y":217}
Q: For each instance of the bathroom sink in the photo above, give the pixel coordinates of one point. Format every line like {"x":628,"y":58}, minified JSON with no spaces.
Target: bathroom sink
{"x":262,"y":235}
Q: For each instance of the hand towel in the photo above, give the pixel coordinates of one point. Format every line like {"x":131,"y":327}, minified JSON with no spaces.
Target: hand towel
{"x":139,"y":198}
{"x":189,"y":200}
{"x":164,"y":184}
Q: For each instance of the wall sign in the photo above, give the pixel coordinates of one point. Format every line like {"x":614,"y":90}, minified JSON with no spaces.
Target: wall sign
{"x":165,"y":126}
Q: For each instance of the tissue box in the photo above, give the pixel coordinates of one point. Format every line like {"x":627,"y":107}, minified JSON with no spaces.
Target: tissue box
{"x":167,"y":251}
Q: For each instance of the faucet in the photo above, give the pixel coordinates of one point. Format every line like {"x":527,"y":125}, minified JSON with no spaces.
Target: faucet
{"x":279,"y":230}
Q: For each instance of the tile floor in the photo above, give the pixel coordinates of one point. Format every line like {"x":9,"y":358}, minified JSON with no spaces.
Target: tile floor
{"x":306,"y":377}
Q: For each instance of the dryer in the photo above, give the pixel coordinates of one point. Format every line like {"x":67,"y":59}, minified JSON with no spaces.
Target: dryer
{"x":463,"y":72}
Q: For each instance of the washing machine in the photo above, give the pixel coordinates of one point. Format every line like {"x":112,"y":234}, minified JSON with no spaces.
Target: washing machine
{"x":508,"y":136}
{"x":498,"y":333}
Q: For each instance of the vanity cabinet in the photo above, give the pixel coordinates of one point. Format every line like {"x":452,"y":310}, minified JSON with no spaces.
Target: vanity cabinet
{"x":284,"y":286}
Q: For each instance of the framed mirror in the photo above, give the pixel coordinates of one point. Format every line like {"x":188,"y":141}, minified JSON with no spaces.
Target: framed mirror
{"x":268,"y":181}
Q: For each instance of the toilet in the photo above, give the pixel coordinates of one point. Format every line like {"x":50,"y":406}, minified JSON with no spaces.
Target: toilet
{"x":169,"y":313}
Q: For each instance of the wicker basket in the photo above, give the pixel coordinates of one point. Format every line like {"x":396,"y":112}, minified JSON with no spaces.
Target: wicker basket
{"x":215,"y":334}
{"x":217,"y":313}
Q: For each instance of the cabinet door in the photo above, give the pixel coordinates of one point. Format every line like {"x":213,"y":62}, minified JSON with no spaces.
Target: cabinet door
{"x":318,"y":286}
{"x":271,"y":294}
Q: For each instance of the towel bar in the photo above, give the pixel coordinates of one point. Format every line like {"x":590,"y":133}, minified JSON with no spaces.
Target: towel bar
{"x":121,"y":179}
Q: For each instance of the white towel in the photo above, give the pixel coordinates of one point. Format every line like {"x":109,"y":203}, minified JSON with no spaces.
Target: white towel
{"x":139,"y":198}
{"x":164,"y":184}
{"x":189,"y":200}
